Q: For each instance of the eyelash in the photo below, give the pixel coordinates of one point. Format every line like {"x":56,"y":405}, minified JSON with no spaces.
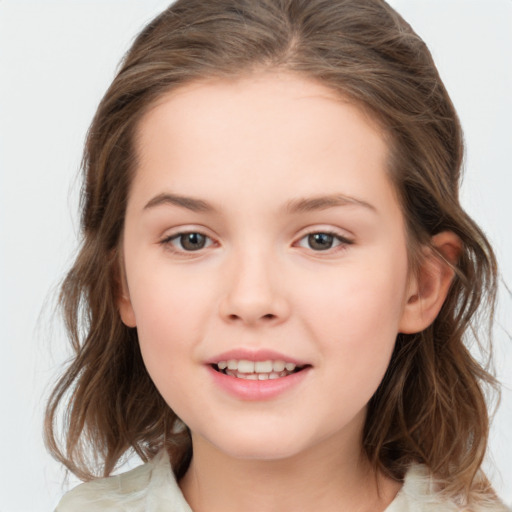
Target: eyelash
{"x":167,"y":242}
{"x":343,"y":242}
{"x":342,"y":245}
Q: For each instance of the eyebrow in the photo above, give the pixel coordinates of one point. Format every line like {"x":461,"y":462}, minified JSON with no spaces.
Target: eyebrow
{"x":190,"y":203}
{"x":300,"y":205}
{"x":324,"y":202}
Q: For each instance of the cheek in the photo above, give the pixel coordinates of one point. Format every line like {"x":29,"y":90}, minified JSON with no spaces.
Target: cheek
{"x":171,"y":313}
{"x":356,"y":312}
{"x":167,"y":299}
{"x":169,"y":332}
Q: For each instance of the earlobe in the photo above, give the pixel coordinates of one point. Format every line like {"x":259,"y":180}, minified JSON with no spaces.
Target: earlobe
{"x":126,"y":311}
{"x":124,"y":302}
{"x":429,"y":288}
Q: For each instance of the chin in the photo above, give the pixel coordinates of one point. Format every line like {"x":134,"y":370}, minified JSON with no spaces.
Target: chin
{"x":264,"y":446}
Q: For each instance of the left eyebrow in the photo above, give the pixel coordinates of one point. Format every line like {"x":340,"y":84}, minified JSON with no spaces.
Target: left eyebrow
{"x":303,"y":205}
{"x":190,"y":203}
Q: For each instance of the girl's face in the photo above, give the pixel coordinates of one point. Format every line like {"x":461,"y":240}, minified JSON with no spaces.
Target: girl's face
{"x":263,"y":234}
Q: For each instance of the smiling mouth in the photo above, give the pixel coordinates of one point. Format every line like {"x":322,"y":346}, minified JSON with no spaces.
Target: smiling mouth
{"x":257,"y":370}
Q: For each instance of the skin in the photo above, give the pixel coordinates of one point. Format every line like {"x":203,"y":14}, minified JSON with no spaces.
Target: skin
{"x":250,"y":148}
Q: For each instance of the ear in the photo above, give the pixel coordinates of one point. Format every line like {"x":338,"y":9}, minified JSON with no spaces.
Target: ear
{"x":124,"y":302}
{"x":429,"y":287}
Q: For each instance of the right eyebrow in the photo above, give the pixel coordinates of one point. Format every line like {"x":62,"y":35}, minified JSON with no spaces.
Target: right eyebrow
{"x":308,"y":204}
{"x":190,"y":203}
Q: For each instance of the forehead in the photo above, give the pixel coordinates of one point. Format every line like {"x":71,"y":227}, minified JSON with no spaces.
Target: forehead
{"x":284,"y":100}
{"x":250,"y":132}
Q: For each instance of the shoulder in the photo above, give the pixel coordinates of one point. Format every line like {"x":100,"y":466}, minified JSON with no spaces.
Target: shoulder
{"x":419,"y":494}
{"x":150,"y":487}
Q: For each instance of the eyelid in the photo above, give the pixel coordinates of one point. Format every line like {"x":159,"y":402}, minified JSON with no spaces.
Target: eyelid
{"x":328,"y":229}
{"x":343,"y":239}
{"x":167,"y":239}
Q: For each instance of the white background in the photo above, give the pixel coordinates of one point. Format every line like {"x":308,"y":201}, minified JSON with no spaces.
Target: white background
{"x":56,"y":60}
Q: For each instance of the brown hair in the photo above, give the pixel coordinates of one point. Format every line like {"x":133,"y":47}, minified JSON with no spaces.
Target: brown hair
{"x":430,"y":407}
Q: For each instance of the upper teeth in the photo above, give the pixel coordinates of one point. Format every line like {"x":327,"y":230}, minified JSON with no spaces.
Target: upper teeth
{"x":245,"y":366}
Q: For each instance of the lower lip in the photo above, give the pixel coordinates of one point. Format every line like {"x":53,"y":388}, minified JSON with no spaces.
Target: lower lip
{"x":254,"y":390}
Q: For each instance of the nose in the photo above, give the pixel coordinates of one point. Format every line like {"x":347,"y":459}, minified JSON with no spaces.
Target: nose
{"x":253,"y":294}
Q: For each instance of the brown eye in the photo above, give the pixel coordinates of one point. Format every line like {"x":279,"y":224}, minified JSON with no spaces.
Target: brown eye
{"x":188,"y":242}
{"x":320,"y":241}
{"x":192,"y":241}
{"x":323,"y":241}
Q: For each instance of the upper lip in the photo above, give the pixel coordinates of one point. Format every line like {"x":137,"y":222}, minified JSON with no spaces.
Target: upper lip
{"x":254,"y":355}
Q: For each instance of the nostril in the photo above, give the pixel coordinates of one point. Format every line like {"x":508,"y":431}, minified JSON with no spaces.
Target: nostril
{"x":268,"y":316}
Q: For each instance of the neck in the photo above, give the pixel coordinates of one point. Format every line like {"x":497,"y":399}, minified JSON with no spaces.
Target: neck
{"x":328,"y":476}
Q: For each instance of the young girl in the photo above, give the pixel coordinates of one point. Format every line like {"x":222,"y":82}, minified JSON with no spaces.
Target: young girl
{"x":276,"y":277}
